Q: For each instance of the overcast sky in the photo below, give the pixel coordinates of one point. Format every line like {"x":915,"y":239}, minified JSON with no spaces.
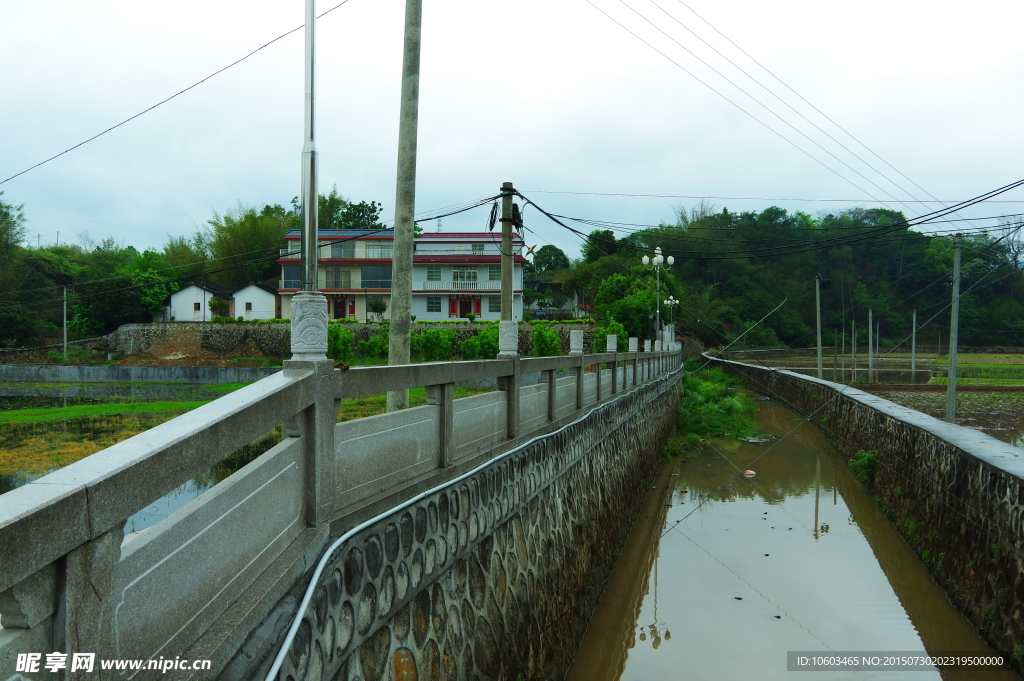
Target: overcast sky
{"x":552,"y":96}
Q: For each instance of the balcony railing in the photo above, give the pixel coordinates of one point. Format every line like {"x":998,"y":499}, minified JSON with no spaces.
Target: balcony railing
{"x":291,"y":283}
{"x":516,"y":250}
{"x":462,"y":285}
{"x":289,"y":252}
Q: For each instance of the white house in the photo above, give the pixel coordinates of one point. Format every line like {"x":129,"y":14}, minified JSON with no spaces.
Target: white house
{"x":192,"y":303}
{"x":256,"y":301}
{"x":454,"y":273}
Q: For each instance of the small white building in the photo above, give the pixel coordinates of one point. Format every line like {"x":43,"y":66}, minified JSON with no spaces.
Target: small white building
{"x":192,"y":303}
{"x":257,"y":301}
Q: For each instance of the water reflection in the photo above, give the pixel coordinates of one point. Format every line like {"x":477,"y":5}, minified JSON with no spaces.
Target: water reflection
{"x":766,"y":565}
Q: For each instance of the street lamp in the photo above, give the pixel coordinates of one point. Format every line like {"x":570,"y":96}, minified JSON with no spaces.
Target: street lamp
{"x":670,"y":303}
{"x":655,"y":264}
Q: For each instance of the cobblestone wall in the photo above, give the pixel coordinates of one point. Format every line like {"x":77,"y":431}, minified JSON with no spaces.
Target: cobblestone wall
{"x":955,"y":494}
{"x":496,"y":575}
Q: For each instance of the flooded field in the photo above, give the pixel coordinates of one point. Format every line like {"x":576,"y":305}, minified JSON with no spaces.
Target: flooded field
{"x":1000,"y":415}
{"x":795,"y":558}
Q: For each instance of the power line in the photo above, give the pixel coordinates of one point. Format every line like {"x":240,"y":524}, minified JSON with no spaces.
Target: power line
{"x":164,"y":101}
{"x":743,"y":198}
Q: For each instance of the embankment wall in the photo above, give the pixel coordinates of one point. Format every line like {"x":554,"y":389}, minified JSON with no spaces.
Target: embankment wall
{"x":955,"y":494}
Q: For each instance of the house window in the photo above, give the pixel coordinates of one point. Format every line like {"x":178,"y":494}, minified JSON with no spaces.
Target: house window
{"x":433,"y":273}
{"x":339,"y":277}
{"x":433,"y":303}
{"x":478,"y":249}
{"x":464,"y":273}
{"x":248,"y":307}
{"x":376,"y":276}
{"x":378,"y":249}
{"x":197,"y":307}
{"x":290,"y":276}
{"x":343,"y":250}
{"x":494,"y":273}
{"x":494,"y":304}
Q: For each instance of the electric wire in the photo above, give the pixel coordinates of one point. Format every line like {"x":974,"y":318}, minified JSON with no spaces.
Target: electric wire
{"x":741,"y":198}
{"x":164,"y":101}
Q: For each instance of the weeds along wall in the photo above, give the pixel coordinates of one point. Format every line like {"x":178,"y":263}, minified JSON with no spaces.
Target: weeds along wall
{"x":252,"y":339}
{"x":955,"y":494}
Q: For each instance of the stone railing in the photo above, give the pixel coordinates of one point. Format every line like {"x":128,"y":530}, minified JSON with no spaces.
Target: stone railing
{"x":196,"y":584}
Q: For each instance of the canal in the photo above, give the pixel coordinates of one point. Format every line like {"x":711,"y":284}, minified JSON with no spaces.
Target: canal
{"x":723,"y":574}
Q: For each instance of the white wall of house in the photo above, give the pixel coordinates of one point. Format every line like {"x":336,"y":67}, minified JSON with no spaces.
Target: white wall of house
{"x":253,"y":302}
{"x":183,"y":307}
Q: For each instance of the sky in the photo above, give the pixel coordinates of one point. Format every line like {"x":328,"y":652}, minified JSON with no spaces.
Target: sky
{"x":552,"y":95}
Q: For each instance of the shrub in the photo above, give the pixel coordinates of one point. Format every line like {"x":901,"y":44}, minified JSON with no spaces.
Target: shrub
{"x":546,"y":341}
{"x":863,"y":465}
{"x":339,"y":343}
{"x":711,"y":405}
{"x":434,"y":345}
{"x":613,"y":328}
{"x":377,"y":345}
{"x":471,"y":316}
{"x":484,"y":345}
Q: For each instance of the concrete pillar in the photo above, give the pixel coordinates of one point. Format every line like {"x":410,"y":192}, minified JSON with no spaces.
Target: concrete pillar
{"x":552,"y":393}
{"x":315,"y":424}
{"x":510,"y":385}
{"x":444,"y":397}
{"x":633,"y":343}
{"x":657,"y":346}
{"x":508,"y":339}
{"x":647,"y":345}
{"x":612,"y":344}
{"x":633,"y":347}
{"x":576,"y":342}
{"x":86,"y":609}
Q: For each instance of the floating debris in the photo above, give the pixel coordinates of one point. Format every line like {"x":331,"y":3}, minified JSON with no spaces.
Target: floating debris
{"x":757,"y":439}
{"x":778,"y":617}
{"x":737,"y":598}
{"x":749,"y":473}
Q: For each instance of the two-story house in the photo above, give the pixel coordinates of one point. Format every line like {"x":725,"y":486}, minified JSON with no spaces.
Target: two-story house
{"x":454,"y":273}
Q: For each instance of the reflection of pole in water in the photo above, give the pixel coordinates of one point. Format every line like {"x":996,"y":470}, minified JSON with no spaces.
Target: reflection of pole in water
{"x":817,"y":492}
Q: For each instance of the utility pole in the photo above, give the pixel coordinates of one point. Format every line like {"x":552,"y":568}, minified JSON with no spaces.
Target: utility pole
{"x":871,"y":359}
{"x":817,"y":307}
{"x":913,"y":349}
{"x":853,"y":350}
{"x":405,"y":202}
{"x":835,"y":352}
{"x":309,"y":206}
{"x":954,"y":332}
{"x":507,"y":262}
{"x":65,"y":323}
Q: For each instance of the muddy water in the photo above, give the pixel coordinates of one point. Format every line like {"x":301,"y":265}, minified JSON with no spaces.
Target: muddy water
{"x":797,"y":557}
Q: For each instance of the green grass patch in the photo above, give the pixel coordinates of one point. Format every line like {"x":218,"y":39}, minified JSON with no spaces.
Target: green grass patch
{"x":93,"y":410}
{"x":942,"y":380}
{"x":713,"y":405}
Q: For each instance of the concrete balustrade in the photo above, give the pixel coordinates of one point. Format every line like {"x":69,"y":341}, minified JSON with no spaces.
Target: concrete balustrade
{"x":198,"y":583}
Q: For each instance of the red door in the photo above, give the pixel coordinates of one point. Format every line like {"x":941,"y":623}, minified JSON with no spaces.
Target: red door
{"x":476,"y":307}
{"x":453,"y":308}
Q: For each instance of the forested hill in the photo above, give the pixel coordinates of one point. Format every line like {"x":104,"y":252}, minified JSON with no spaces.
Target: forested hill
{"x":731,"y":269}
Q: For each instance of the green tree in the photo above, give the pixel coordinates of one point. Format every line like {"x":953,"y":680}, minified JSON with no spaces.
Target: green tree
{"x":546,"y":341}
{"x":549,"y":259}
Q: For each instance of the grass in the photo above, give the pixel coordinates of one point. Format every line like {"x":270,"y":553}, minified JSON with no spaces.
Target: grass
{"x":28,"y":416}
{"x":942,"y":380}
{"x":712,"y":405}
{"x":371,"y":405}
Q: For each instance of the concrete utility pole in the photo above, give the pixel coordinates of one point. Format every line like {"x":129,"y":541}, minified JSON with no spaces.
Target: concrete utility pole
{"x":507,"y":261}
{"x":405,"y":202}
{"x":853,"y":350}
{"x":65,"y":323}
{"x":309,"y":162}
{"x":817,"y":301}
{"x":871,"y":356}
{"x":913,"y":349}
{"x":954,"y":332}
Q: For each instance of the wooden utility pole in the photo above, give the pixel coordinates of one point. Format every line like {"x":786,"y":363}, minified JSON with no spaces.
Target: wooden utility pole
{"x":954,"y":332}
{"x":405,"y":202}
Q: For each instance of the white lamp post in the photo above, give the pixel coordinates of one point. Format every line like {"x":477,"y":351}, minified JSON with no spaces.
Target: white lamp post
{"x":655,"y":264}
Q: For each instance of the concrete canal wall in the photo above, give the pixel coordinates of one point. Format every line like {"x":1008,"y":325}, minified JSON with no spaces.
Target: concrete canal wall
{"x":58,"y":373}
{"x":955,"y":494}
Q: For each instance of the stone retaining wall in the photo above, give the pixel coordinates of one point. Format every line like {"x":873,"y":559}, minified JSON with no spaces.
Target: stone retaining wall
{"x":955,"y":494}
{"x":494,"y":576}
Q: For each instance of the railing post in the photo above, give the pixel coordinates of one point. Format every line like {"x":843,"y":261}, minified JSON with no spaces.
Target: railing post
{"x":633,"y":347}
{"x":552,"y":393}
{"x":86,"y":608}
{"x":444,"y":397}
{"x":508,"y":348}
{"x":316,"y":422}
{"x":576,"y":350}
{"x":612,"y":345}
{"x":598,"y":379}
